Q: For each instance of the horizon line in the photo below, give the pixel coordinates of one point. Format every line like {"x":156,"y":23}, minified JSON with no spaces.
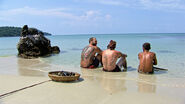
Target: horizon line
{"x":121,"y":33}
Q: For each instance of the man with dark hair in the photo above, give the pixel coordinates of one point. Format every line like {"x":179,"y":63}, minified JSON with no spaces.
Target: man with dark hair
{"x":91,"y":39}
{"x":147,"y":60}
{"x":110,"y":56}
{"x":91,"y":55}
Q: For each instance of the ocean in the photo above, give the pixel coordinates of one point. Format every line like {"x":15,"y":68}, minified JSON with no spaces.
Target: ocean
{"x":169,"y":48}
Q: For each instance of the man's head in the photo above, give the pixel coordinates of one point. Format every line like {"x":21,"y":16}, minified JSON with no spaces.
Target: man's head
{"x":93,"y":41}
{"x":146,"y":46}
{"x":111,"y":45}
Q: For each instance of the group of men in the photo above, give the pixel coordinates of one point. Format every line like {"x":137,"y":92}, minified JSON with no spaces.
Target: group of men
{"x":92,"y":56}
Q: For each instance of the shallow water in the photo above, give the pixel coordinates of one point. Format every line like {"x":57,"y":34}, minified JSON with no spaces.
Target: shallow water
{"x":164,"y":87}
{"x":169,"y":48}
{"x":159,"y":88}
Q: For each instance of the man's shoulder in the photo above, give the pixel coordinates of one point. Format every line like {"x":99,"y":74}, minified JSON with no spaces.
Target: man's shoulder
{"x":152,"y":53}
{"x":87,"y":46}
{"x":112,"y":51}
{"x":97,"y":48}
{"x":140,"y":53}
{"x":108,"y":51}
{"x":105,"y":51}
{"x":90,"y":46}
{"x":116,"y":52}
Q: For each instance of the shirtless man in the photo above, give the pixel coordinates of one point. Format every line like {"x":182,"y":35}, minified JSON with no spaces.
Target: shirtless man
{"x":110,"y":56}
{"x":147,"y":60}
{"x":91,"y":55}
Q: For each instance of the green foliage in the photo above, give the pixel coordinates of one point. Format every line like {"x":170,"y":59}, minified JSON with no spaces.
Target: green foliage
{"x":8,"y":31}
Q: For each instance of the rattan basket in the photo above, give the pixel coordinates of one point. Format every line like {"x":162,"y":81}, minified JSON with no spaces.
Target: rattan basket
{"x":53,"y":75}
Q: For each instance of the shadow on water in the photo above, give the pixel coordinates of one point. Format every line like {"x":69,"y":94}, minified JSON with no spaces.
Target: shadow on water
{"x":165,"y":51}
{"x":129,"y":68}
{"x":160,"y":72}
{"x":63,"y":51}
{"x":76,"y":49}
{"x":49,"y":55}
{"x":54,"y":54}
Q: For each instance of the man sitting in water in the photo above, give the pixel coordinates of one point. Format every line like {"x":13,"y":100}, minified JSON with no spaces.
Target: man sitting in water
{"x":91,"y":55}
{"x":110,"y":56}
{"x":147,"y":60}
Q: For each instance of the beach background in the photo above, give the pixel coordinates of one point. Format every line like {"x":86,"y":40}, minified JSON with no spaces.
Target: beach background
{"x":161,"y":87}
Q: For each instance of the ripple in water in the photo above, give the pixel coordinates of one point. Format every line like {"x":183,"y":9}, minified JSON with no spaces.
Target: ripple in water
{"x":76,"y":49}
{"x":63,"y":52}
{"x":165,"y":51}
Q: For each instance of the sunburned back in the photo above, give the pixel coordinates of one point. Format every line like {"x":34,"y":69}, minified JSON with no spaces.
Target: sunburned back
{"x":146,"y":61}
{"x":109,"y":58}
{"x":87,"y":56}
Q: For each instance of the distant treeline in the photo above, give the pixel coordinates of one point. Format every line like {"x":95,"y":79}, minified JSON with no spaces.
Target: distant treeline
{"x":8,"y":31}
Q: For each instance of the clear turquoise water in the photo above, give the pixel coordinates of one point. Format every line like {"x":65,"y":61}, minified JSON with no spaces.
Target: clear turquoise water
{"x":170,"y":50}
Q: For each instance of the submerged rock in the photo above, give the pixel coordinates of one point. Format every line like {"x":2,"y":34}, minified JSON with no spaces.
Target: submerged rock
{"x":34,"y":44}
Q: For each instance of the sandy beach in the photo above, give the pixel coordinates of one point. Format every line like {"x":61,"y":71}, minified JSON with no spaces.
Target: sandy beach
{"x":94,"y":86}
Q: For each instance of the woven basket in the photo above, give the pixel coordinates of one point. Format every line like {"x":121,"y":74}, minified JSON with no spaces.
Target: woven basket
{"x":53,"y":75}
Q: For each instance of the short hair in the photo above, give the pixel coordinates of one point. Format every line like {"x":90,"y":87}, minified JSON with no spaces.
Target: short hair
{"x":146,"y":46}
{"x":111,"y":45}
{"x":91,"y":39}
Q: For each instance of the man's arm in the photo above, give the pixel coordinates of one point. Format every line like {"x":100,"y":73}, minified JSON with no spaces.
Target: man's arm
{"x":155,"y":60}
{"x":98,"y":50}
{"x":139,"y":56}
{"x":122,"y":55}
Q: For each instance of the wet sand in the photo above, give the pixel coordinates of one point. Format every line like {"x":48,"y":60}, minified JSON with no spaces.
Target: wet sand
{"x":94,"y":86}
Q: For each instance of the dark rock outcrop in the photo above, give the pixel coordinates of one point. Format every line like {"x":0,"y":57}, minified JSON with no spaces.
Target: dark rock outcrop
{"x":33,"y":44}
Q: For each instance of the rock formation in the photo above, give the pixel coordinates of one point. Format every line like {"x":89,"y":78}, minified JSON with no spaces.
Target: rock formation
{"x":33,"y":44}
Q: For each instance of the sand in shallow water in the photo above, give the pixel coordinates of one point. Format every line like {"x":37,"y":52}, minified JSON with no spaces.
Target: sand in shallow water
{"x":95,"y":87}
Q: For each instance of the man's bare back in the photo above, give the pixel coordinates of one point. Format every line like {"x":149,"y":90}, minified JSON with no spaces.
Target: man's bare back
{"x":110,"y":57}
{"x":88,"y":55}
{"x":147,"y":60}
